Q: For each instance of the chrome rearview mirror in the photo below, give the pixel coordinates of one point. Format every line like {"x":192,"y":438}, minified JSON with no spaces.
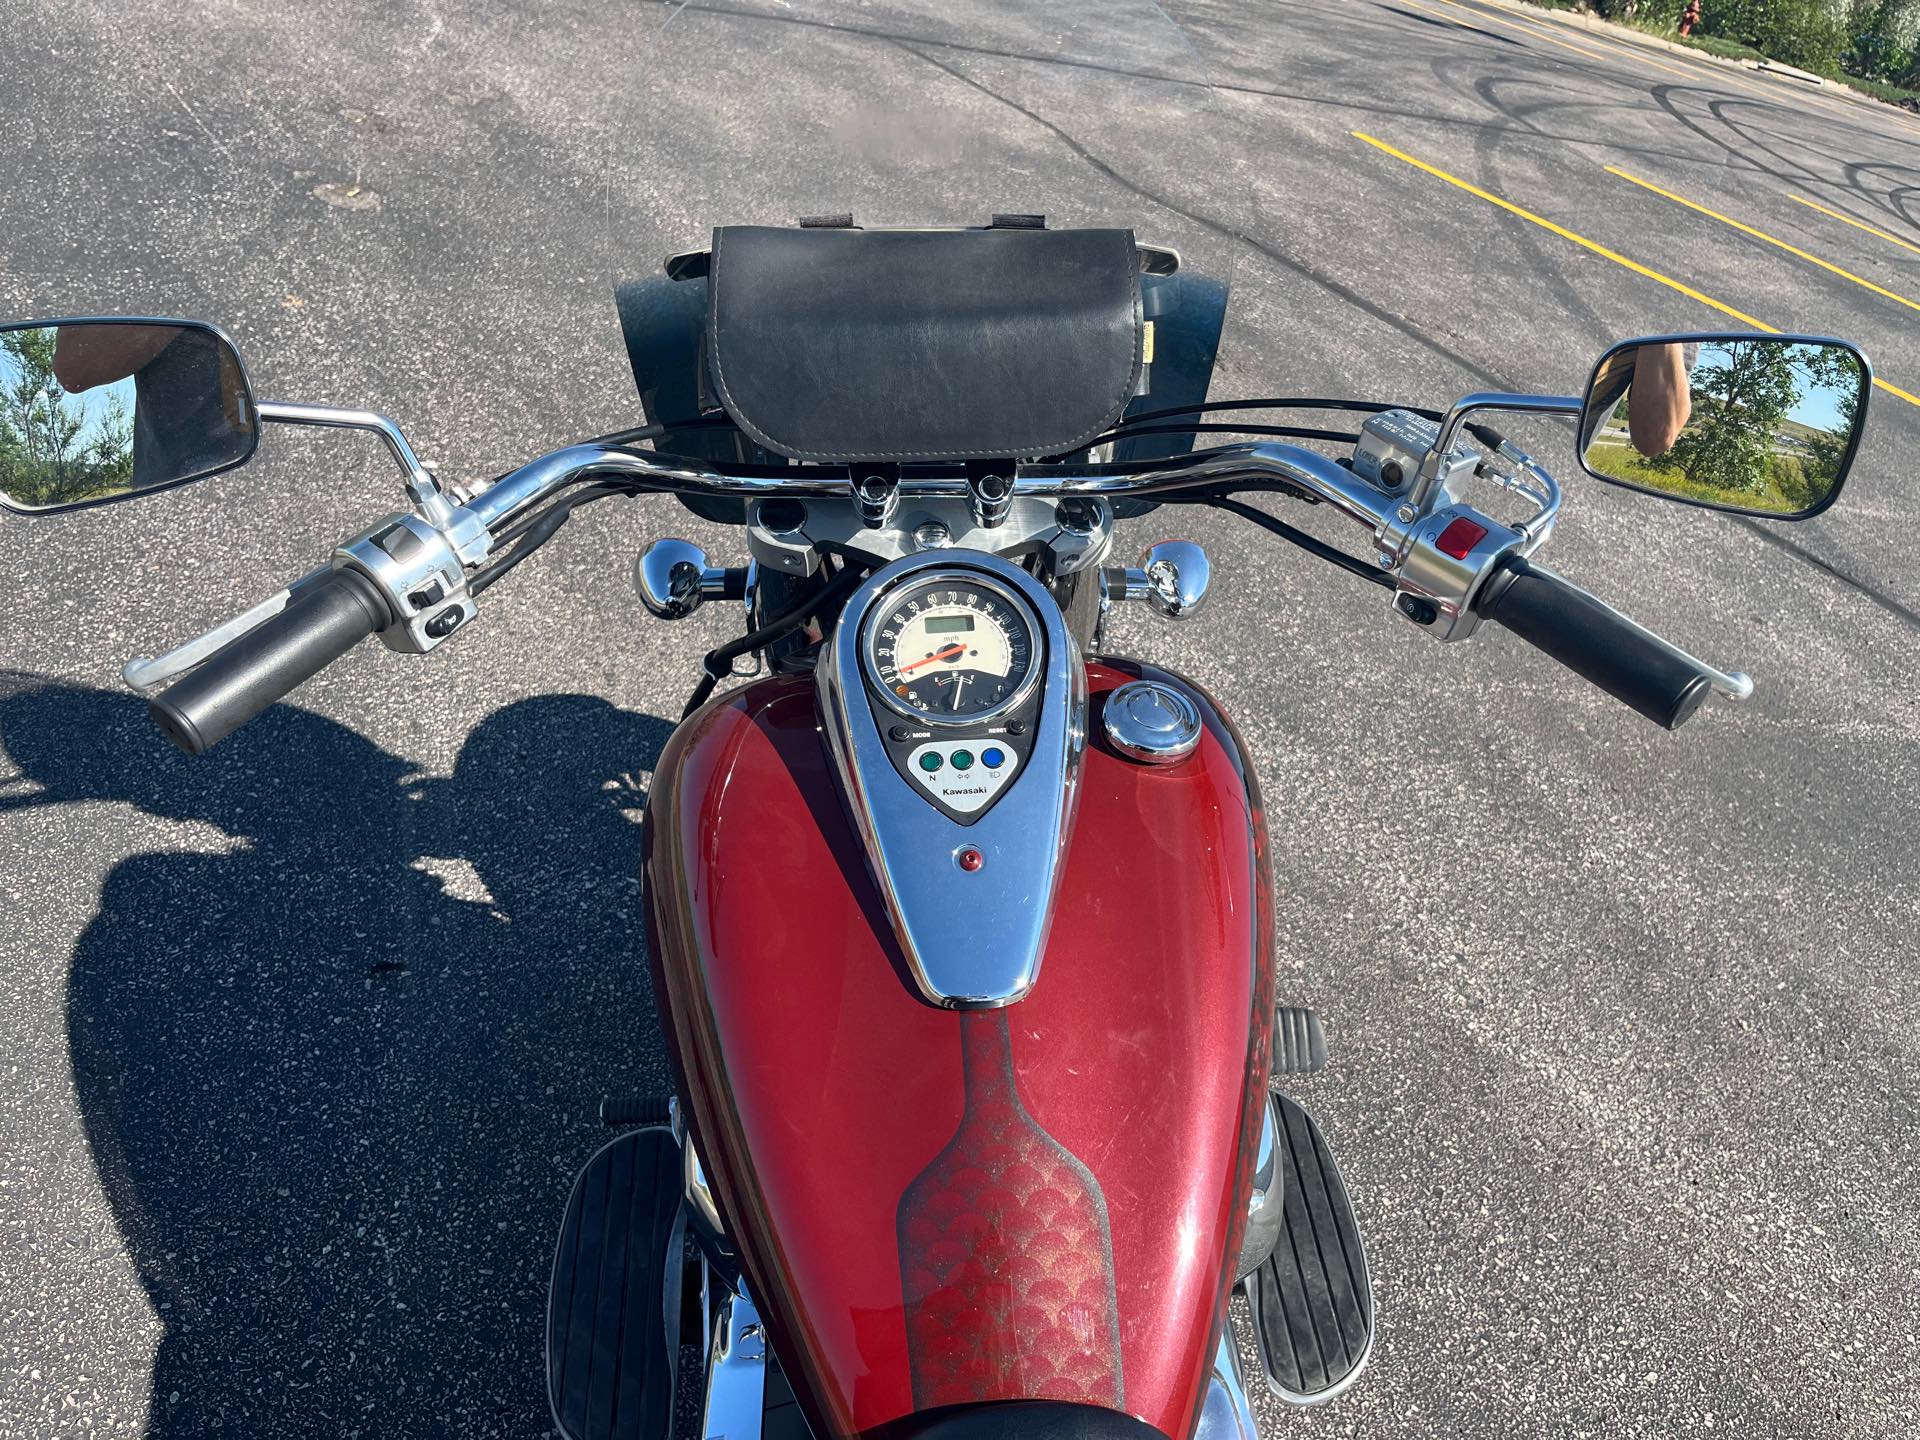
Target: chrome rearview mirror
{"x":105,"y":409}
{"x":1755,"y":424}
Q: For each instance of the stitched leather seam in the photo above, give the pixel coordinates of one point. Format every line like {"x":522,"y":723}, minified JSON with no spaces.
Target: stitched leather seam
{"x":1040,"y":447}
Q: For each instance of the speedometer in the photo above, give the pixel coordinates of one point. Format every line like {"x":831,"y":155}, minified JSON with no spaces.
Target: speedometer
{"x":952,"y":648}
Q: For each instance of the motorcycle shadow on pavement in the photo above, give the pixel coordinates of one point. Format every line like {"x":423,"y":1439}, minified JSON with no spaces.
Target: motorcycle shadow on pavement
{"x":338,"y":1062}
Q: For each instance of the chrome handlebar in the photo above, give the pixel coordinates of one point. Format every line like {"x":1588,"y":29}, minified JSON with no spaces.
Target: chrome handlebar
{"x":1405,"y":532}
{"x":1438,"y":550}
{"x":1308,"y":471}
{"x":454,"y":532}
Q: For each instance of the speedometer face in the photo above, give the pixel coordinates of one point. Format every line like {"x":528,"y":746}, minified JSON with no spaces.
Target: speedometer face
{"x":952,"y":648}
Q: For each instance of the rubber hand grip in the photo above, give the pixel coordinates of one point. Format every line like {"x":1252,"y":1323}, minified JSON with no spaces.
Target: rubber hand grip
{"x":248,"y":674}
{"x":1588,"y":637}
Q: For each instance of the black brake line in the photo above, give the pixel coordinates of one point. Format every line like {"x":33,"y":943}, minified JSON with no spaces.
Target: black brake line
{"x":1311,"y":544}
{"x":529,"y":533}
{"x":1132,"y":425}
{"x":634,"y":435}
{"x":1485,"y":434}
{"x":658,"y":429}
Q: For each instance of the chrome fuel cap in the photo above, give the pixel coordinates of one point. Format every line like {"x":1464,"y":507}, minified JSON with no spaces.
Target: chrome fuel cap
{"x":1151,"y":722}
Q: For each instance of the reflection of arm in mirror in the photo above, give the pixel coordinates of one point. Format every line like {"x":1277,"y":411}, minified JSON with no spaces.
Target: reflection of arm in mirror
{"x":1609,"y":385}
{"x":88,"y":355}
{"x":1660,"y":401}
{"x":1653,"y":381}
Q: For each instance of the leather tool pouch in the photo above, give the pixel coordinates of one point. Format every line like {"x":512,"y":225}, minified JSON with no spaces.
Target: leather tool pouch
{"x":840,"y":345}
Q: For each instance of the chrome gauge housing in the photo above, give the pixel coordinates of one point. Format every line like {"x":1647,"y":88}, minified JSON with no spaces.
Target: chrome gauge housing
{"x":963,"y":817}
{"x":952,"y":647}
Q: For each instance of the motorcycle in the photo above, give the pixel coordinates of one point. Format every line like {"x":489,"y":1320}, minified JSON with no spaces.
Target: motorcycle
{"x":961,"y":927}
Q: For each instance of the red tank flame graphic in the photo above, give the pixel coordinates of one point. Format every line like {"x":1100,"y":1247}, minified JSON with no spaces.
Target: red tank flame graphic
{"x":1005,"y":1255}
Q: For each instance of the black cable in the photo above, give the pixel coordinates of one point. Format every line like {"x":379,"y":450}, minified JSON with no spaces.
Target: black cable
{"x":1279,"y":402}
{"x":718,"y":663}
{"x":530,"y":532}
{"x":1313,"y":546}
{"x":533,"y":531}
{"x":658,"y":429}
{"x":629,"y":436}
{"x":1295,"y":432}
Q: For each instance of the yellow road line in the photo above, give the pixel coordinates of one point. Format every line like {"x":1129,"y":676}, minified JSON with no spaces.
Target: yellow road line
{"x":1565,"y":234}
{"x":1597,"y":248}
{"x":1771,"y":240}
{"x":1857,"y":224}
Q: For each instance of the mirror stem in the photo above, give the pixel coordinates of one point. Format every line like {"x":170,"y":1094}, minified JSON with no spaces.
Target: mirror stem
{"x":1468,"y":405}
{"x":422,"y":488}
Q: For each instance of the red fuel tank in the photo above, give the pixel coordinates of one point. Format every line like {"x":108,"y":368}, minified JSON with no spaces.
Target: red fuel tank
{"x":935,"y":1207}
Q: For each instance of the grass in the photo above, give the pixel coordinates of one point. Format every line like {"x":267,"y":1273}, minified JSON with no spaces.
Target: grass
{"x":1727,"y":49}
{"x":1626,"y":464}
{"x":1880,"y":90}
{"x":1712,"y":44}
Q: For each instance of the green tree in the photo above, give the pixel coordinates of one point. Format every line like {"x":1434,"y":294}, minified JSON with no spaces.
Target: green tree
{"x":1831,"y":368}
{"x":1738,"y":407}
{"x":50,"y":452}
{"x":1806,"y":33}
{"x":1881,"y":33}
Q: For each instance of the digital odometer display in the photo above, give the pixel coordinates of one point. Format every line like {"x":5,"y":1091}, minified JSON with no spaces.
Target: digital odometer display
{"x":952,"y":648}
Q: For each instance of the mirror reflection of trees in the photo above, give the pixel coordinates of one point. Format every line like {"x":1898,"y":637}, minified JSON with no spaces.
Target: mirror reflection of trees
{"x":1768,"y":427}
{"x":56,"y":448}
{"x":98,"y":409}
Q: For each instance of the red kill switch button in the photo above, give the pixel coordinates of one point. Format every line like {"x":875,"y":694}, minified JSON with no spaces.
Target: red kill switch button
{"x":1459,"y":538}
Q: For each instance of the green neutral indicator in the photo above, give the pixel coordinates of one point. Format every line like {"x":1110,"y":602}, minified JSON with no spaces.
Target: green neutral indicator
{"x":931,"y":762}
{"x":963,"y":759}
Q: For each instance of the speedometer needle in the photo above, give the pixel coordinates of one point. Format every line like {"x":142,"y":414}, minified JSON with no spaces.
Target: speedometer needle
{"x":952,"y":652}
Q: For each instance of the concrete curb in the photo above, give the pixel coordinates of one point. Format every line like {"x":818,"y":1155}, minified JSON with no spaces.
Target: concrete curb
{"x":1580,"y":20}
{"x":1776,"y":68}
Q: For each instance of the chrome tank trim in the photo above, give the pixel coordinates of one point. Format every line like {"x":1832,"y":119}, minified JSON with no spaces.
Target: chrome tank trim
{"x":736,"y":1372}
{"x":1266,"y":1207}
{"x":700,"y":1199}
{"x":994,"y":958}
{"x":1227,"y":1414}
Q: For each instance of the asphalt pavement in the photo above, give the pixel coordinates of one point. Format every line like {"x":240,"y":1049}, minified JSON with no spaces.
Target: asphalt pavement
{"x":300,"y":1044}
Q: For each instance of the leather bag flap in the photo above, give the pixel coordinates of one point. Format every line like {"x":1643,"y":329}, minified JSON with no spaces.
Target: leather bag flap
{"x":842,"y":345}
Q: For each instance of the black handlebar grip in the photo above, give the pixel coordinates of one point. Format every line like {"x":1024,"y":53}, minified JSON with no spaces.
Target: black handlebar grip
{"x":249,"y":673}
{"x":1589,"y":638}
